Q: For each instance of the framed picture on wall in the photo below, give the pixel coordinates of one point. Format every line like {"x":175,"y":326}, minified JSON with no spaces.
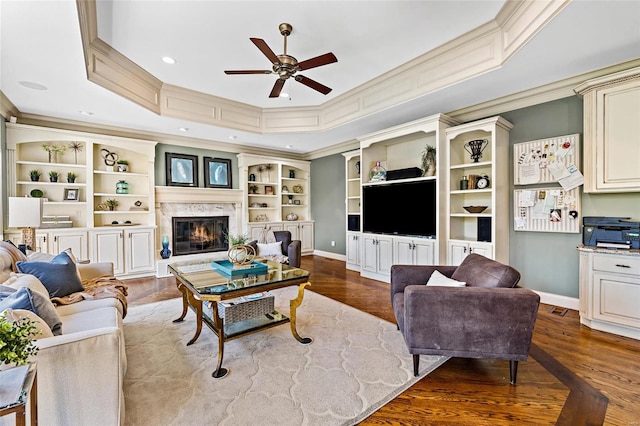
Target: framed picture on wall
{"x":217,"y":172}
{"x":181,"y":169}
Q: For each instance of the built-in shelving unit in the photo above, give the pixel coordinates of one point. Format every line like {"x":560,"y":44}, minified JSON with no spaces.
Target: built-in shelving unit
{"x":353,"y":202}
{"x":132,"y":220}
{"x":276,"y":197}
{"x":484,"y":232}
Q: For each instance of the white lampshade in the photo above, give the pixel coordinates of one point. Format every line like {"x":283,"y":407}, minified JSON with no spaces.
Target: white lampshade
{"x":25,"y":212}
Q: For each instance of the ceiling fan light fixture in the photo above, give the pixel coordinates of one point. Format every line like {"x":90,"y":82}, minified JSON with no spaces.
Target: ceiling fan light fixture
{"x":286,"y":66}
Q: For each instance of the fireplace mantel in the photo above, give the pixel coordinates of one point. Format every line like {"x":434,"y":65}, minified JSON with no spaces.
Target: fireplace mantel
{"x":176,"y":194}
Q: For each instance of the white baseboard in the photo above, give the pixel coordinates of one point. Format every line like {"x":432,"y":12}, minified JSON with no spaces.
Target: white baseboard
{"x":558,"y":300}
{"x":330,"y":255}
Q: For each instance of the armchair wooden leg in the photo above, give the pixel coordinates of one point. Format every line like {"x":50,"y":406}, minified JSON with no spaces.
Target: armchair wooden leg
{"x":416,"y":363}
{"x":513,"y":371}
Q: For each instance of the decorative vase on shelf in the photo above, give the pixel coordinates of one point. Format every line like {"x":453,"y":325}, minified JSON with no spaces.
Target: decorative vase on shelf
{"x":431,"y":170}
{"x":122,"y":187}
{"x":292,"y":173}
{"x":475,"y":148}
{"x":165,"y":253}
{"x":377,"y":173}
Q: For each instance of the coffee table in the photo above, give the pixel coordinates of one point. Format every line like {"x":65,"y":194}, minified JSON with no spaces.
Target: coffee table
{"x":200,"y":283}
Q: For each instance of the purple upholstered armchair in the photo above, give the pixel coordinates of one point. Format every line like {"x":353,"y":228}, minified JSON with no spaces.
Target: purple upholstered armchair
{"x":491,"y":317}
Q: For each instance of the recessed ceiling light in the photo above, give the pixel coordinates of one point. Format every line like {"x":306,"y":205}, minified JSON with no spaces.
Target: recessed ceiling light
{"x":233,"y":137}
{"x":289,"y":146}
{"x":183,"y":129}
{"x":168,"y":60}
{"x":85,"y":112}
{"x":284,"y":95}
{"x":32,"y":85}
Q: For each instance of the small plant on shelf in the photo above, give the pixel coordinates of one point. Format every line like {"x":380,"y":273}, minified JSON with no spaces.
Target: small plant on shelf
{"x":123,"y":165}
{"x":35,"y":175}
{"x":53,"y":176}
{"x":54,"y":149}
{"x":253,"y":189}
{"x":71,"y":177}
{"x":428,"y":160}
{"x":111,"y":204}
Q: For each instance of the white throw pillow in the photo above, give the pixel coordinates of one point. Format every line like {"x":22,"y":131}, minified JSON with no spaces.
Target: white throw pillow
{"x":271,"y":249}
{"x":42,"y":329}
{"x":440,"y":280}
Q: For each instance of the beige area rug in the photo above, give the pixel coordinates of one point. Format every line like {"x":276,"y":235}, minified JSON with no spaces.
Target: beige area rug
{"x":356,"y":364}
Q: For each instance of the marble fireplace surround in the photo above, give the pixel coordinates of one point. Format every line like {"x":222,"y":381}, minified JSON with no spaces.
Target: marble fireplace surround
{"x":193,"y":202}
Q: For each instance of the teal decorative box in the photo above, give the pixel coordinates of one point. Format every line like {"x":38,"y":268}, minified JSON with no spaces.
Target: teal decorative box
{"x":229,"y":269}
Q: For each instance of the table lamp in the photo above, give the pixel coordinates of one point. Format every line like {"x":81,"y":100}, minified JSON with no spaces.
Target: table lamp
{"x":26,"y":213}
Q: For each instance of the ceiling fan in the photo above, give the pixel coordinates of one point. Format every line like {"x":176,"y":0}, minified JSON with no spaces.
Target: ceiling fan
{"x":287,"y":66}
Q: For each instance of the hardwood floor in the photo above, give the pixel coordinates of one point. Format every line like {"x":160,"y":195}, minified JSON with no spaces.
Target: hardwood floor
{"x":574,"y":375}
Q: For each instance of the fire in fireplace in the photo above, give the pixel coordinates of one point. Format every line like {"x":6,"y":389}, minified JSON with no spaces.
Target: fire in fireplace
{"x":204,"y":234}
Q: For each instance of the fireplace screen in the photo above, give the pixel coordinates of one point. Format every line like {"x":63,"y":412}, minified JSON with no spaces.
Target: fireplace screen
{"x":199,"y":234}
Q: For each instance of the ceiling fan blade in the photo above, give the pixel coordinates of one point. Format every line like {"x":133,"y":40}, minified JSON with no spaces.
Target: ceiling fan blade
{"x":248,"y":72}
{"x":277,"y":88}
{"x":266,"y":50}
{"x":313,"y":84}
{"x":327,"y":58}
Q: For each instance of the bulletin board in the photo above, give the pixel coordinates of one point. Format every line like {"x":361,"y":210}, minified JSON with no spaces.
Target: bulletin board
{"x":547,"y":210}
{"x":548,"y":160}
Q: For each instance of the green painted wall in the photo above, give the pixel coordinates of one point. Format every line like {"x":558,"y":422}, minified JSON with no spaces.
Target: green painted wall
{"x":160,"y":170}
{"x":327,"y":203}
{"x":547,"y":261}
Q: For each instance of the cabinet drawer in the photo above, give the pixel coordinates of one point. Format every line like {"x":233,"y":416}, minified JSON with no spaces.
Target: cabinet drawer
{"x":617,"y":264}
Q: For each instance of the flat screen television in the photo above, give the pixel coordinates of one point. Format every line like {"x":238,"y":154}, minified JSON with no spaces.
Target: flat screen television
{"x":407,"y":208}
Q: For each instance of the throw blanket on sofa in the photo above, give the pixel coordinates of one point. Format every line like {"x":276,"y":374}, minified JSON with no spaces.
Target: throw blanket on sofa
{"x":97,"y":288}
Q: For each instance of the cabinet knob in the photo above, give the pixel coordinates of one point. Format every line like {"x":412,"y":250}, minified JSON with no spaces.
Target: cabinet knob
{"x":465,"y":250}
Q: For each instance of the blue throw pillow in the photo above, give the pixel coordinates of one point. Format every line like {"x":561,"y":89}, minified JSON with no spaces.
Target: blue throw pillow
{"x":19,"y":299}
{"x":59,"y":275}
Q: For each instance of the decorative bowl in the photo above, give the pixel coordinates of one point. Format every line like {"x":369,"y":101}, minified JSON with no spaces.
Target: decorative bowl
{"x":475,"y":209}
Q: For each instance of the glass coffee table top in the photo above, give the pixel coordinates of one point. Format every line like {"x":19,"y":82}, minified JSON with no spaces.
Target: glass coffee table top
{"x":208,"y":281}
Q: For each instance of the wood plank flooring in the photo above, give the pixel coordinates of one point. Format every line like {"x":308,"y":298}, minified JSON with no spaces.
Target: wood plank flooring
{"x":574,"y":375}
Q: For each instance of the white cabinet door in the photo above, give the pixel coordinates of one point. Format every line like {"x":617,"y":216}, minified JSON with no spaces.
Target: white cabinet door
{"x":458,"y":250}
{"x":353,"y":249}
{"x":76,"y":241}
{"x":139,"y":255}
{"x":306,"y":236}
{"x":294,"y":228}
{"x":482,"y":249}
{"x":369,"y":253}
{"x":385,"y":255}
{"x":108,"y":247}
{"x":424,"y":252}
{"x":403,"y":251}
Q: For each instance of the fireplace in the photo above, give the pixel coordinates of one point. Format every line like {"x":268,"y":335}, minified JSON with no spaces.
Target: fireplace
{"x":202,"y":234}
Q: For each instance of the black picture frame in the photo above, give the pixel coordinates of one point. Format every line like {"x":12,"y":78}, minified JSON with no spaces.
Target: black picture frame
{"x":181,"y":169}
{"x":217,"y":172}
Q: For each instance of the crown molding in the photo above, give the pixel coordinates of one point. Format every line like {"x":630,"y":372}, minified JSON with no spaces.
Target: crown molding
{"x":7,"y":108}
{"x":472,"y":54}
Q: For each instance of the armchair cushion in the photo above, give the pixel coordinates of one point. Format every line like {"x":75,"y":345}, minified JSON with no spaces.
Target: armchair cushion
{"x":270,"y":249}
{"x":479,"y":271}
{"x":438,"y":279}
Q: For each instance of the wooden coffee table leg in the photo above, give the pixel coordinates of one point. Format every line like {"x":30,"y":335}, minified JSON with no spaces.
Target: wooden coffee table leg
{"x":197,"y":306}
{"x":185,"y":303}
{"x":220,"y":372}
{"x":293,"y":306}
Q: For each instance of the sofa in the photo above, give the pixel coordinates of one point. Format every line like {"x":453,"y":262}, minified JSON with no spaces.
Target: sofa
{"x":81,"y":370}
